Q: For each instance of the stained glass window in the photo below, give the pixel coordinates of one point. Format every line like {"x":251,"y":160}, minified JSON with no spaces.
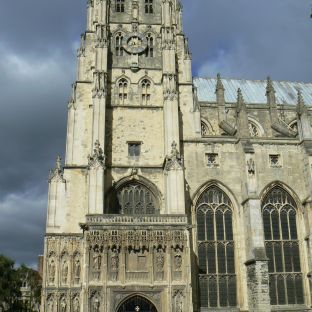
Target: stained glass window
{"x":282,"y":248}
{"x":217,"y":279}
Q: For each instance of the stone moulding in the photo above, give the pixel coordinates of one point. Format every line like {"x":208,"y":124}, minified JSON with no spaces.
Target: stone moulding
{"x":124,"y":219}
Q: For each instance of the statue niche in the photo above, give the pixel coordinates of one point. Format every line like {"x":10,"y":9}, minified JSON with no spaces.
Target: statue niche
{"x":134,"y":198}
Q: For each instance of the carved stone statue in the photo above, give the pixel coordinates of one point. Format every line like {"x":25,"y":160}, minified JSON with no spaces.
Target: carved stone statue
{"x":52,"y":271}
{"x":178,"y":262}
{"x":96,"y":305}
{"x":64,"y":272}
{"x":115,"y":260}
{"x":63,"y":305}
{"x":77,"y":269}
{"x":97,"y":259}
{"x":76,"y":305}
{"x":50,"y":305}
{"x":160,"y":260}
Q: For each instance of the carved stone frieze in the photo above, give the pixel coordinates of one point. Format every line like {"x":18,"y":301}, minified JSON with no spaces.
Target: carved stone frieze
{"x":136,"y":238}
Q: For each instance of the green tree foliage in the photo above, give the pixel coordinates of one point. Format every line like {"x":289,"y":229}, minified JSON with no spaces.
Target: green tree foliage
{"x":11,"y":281}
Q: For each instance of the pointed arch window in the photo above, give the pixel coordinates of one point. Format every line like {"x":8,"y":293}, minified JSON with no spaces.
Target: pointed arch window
{"x":120,"y":6}
{"x":149,"y":52}
{"x":122,"y":91}
{"x":217,"y":279}
{"x":146,"y":91}
{"x":149,"y":6}
{"x":118,"y":44}
{"x":282,"y":248}
{"x":136,"y":199}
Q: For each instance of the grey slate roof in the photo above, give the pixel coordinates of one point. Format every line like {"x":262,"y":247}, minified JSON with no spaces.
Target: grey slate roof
{"x":253,"y":90}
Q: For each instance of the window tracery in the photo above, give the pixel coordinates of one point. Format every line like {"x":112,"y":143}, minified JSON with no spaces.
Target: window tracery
{"x":149,"y":7}
{"x":206,"y":129}
{"x":254,"y":129}
{"x":122,"y":91}
{"x":215,"y":243}
{"x":118,"y":44}
{"x":149,"y":52}
{"x":146,"y":91}
{"x":120,"y":6}
{"x":136,"y":199}
{"x":282,"y":248}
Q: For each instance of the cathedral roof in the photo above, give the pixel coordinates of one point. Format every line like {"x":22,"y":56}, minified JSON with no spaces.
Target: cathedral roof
{"x":253,"y":90}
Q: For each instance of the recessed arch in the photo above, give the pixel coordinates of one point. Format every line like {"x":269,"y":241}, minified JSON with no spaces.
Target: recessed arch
{"x":255,"y":128}
{"x":206,"y":128}
{"x":136,"y":302}
{"x":134,"y":190}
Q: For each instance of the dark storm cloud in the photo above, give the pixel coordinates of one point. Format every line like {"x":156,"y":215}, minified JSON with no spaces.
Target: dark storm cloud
{"x":38,"y":39}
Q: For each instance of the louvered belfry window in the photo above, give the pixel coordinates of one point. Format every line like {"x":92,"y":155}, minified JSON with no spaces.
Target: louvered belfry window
{"x":136,"y":199}
{"x":217,"y":279}
{"x":282,"y":248}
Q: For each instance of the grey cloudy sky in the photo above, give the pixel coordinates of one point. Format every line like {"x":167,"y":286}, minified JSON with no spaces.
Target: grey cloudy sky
{"x":38,"y":40}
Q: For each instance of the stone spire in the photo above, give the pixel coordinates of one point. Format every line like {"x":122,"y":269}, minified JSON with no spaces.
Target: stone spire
{"x":242,"y":117}
{"x":270,"y":93}
{"x":56,"y":174}
{"x":301,"y":108}
{"x":219,"y":86}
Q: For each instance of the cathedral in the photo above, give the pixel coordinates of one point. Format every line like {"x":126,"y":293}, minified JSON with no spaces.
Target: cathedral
{"x":177,"y":194}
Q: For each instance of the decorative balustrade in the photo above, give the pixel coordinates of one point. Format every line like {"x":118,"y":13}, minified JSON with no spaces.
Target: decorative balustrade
{"x":135,"y":220}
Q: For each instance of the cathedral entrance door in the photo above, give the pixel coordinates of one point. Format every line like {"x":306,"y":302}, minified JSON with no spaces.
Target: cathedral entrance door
{"x":137,"y":304}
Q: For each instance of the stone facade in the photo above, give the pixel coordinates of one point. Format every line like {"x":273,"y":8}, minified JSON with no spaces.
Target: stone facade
{"x":172,"y":196}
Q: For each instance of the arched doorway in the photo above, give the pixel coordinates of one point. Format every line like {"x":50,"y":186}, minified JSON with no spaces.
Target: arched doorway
{"x":137,"y":304}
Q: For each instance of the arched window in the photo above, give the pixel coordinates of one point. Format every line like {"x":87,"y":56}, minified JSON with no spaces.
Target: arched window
{"x":254,"y":130}
{"x":118,"y":44}
{"x":146,"y":91}
{"x":149,"y":8}
{"x":122,"y":91}
{"x":282,"y":248}
{"x":120,"y":6}
{"x":217,"y":279}
{"x":135,"y":199}
{"x":207,"y":129}
{"x":149,"y":52}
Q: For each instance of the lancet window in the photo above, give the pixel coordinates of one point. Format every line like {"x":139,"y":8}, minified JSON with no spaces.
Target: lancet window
{"x":217,"y":279}
{"x":120,"y":6}
{"x":118,"y":44}
{"x":149,"y":7}
{"x":136,"y":199}
{"x":146,"y":91}
{"x":149,"y":52}
{"x":122,"y":91}
{"x":282,"y":248}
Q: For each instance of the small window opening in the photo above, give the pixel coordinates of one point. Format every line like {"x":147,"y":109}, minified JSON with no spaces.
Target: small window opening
{"x":149,"y":52}
{"x":149,"y":7}
{"x":123,"y":91}
{"x":134,"y":149}
{"x":120,"y":6}
{"x":118,"y":45}
{"x":146,"y":92}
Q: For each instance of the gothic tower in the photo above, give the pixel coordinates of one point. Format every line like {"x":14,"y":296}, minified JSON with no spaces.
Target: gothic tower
{"x":117,"y":235}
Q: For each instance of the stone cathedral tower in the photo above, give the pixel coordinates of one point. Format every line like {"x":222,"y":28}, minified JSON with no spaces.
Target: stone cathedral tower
{"x":117,"y":232}
{"x":177,"y":194}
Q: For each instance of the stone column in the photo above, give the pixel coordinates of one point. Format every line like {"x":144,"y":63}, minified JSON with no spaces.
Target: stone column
{"x":257,"y":262}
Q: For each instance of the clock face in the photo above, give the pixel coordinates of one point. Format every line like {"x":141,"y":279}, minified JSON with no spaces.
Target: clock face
{"x":134,"y":43}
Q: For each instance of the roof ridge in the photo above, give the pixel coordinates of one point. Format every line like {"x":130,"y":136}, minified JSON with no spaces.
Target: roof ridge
{"x":255,"y":80}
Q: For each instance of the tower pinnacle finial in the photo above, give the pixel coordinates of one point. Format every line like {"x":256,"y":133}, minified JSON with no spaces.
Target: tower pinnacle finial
{"x":269,"y":87}
{"x":301,"y":108}
{"x":219,"y":85}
